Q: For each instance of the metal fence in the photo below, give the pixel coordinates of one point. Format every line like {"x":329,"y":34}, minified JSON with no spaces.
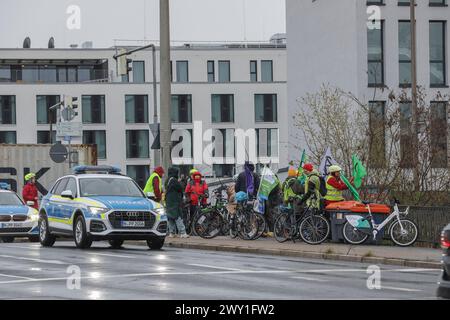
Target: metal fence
{"x":430,"y":221}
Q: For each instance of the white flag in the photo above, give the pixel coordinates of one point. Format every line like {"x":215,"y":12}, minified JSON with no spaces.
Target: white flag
{"x":327,"y":161}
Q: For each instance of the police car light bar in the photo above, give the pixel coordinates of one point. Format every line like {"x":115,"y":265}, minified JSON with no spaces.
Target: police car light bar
{"x":96,"y":169}
{"x":4,"y":186}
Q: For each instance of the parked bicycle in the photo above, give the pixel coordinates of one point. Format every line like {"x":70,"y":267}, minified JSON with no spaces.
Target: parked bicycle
{"x":403,"y":232}
{"x":246,"y":223}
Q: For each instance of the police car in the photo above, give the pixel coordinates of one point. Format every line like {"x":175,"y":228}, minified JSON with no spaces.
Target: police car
{"x":17,"y":220}
{"x":98,"y":203}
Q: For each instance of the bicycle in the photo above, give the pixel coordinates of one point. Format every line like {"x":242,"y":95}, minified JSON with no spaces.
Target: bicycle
{"x":212,"y":220}
{"x":246,"y":223}
{"x":189,"y":217}
{"x":287,"y":222}
{"x":403,"y":232}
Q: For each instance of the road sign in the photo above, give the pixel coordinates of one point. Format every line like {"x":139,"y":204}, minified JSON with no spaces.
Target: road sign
{"x":154,"y":128}
{"x":72,"y":129}
{"x":58,"y":153}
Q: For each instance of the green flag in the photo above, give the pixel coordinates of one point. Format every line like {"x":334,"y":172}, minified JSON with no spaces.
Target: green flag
{"x":351,"y":188}
{"x":359,"y":172}
{"x":303,"y":160}
{"x":268,"y":182}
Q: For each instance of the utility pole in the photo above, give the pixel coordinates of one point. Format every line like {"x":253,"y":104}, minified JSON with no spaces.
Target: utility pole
{"x":165,"y":100}
{"x":415,"y":149}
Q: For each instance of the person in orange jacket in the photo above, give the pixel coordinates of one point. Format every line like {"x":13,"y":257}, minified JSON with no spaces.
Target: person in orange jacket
{"x":195,"y":188}
{"x":30,"y":191}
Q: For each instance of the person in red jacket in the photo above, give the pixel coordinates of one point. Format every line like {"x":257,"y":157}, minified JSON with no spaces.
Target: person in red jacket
{"x":195,"y":188}
{"x":30,"y":191}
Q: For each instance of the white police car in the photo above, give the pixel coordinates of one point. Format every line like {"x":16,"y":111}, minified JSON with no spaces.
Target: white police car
{"x":17,"y":220}
{"x":98,"y":203}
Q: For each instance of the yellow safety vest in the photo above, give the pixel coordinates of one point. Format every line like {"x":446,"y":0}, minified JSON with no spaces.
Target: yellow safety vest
{"x":333,"y":194}
{"x":149,"y":185}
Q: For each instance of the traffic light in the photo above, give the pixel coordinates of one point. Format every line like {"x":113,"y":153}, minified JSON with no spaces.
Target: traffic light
{"x":123,"y":64}
{"x":70,"y":104}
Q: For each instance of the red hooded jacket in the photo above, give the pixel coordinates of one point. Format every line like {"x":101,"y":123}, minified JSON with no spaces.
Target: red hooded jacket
{"x":30,"y":193}
{"x":197,"y":186}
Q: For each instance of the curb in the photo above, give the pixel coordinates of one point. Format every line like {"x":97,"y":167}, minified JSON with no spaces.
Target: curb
{"x":308,"y":254}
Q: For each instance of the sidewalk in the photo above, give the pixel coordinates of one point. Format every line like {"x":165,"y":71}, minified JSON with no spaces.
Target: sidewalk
{"x":410,"y":257}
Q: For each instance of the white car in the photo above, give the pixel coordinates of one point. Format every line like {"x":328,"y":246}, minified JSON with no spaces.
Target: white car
{"x":98,"y":203}
{"x":17,"y":220}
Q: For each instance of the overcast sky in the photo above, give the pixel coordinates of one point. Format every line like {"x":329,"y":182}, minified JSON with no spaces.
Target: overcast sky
{"x":102,"y":21}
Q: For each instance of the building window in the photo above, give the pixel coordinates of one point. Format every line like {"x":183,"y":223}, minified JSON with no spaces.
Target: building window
{"x":93,"y":109}
{"x":182,"y":71}
{"x":5,"y":74}
{"x":406,"y":135}
{"x":253,"y":71}
{"x":139,"y":173}
{"x":224,"y":71}
{"x":266,"y":108}
{"x":137,"y":144}
{"x":138,"y":72}
{"x":439,"y":134}
{"x":43,"y":104}
{"x":404,"y":54}
{"x":211,"y":71}
{"x":377,"y":133}
{"x":222,"y":108}
{"x":375,"y":56}
{"x":136,"y":109}
{"x":267,"y":142}
{"x":97,"y":137}
{"x":438,"y":3}
{"x":43,"y":137}
{"x":7,"y":109}
{"x":8,"y":137}
{"x":224,"y":170}
{"x":223,"y":144}
{"x":437,"y":53}
{"x":182,"y":108}
{"x":404,"y":2}
{"x":267,"y":71}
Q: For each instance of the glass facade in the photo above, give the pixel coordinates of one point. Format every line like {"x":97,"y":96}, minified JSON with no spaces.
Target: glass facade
{"x":43,"y":104}
{"x":93,"y":108}
{"x":222,"y":108}
{"x":7,"y":109}
{"x":182,"y":108}
{"x":137,"y":142}
{"x":266,"y":108}
{"x":136,"y":109}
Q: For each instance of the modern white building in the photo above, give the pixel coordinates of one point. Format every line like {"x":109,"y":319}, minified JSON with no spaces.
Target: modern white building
{"x":363,"y":45}
{"x":224,"y":87}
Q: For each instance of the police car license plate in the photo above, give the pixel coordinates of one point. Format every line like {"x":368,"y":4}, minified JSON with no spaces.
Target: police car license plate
{"x":10,"y":225}
{"x":133,"y":224}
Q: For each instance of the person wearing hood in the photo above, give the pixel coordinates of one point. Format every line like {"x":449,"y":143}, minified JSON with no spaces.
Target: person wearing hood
{"x":248,"y":180}
{"x":196,"y":188}
{"x":174,"y":201}
{"x":312,"y":196}
{"x":154,"y":184}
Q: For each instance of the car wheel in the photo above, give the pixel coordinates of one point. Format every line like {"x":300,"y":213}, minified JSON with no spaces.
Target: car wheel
{"x":8,"y":239}
{"x":82,"y":239}
{"x":45,"y":237}
{"x":34,"y":239}
{"x":155,"y":243}
{"x":116,"y":244}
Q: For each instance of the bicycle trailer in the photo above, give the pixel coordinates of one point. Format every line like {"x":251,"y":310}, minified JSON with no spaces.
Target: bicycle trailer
{"x":341,"y":212}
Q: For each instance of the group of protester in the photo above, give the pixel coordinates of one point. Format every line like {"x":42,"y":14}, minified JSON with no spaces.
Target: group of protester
{"x":307,"y":188}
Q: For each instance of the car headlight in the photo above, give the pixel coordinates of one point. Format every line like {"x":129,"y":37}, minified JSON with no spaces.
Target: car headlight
{"x":97,"y":210}
{"x":33,"y":217}
{"x":160,"y":212}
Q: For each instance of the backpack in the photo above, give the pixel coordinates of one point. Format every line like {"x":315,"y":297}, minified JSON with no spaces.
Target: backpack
{"x":323,"y":186}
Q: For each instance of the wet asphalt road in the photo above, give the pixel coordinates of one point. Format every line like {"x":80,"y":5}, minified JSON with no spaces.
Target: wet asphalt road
{"x":28,"y":271}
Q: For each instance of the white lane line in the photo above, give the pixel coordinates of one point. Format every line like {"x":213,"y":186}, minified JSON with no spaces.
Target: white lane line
{"x":18,"y":277}
{"x":213,"y":267}
{"x":111,"y":255}
{"x":33,"y":259}
{"x":309,"y":279}
{"x":23,"y":247}
{"x":400,"y":289}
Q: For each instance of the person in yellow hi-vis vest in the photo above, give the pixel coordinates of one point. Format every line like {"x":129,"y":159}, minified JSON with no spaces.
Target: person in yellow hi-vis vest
{"x":154,"y":184}
{"x":335,"y":186}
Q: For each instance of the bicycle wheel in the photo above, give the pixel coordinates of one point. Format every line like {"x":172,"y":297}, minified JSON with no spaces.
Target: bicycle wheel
{"x":248,"y":226}
{"x":261,"y":223}
{"x":404,"y":232}
{"x":282,"y":228}
{"x":208,"y":224}
{"x":225,"y":222}
{"x":352,"y":235}
{"x":314,"y":229}
{"x":233,"y":229}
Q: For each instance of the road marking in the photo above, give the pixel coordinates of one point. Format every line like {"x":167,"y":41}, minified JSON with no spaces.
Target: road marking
{"x":213,"y":267}
{"x":310,"y":279}
{"x":111,"y":255}
{"x":11,"y":276}
{"x":400,"y":289}
{"x":23,"y":247}
{"x":34,"y":259}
